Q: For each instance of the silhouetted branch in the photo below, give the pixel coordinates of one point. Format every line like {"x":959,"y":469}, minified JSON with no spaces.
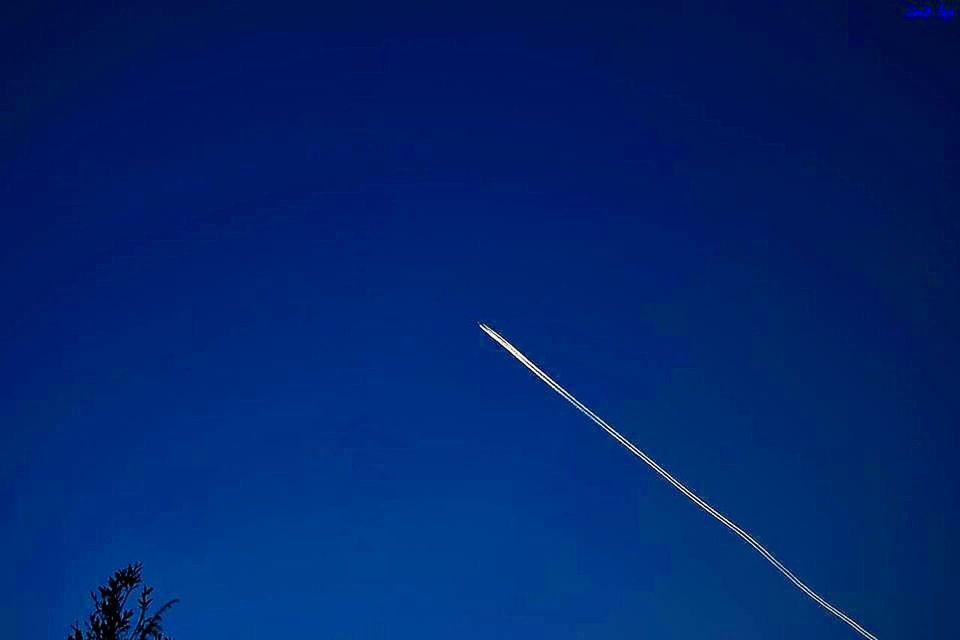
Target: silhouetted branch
{"x":111,"y":620}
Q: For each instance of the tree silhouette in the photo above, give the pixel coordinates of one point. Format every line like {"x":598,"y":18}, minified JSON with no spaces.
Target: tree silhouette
{"x":111,"y":620}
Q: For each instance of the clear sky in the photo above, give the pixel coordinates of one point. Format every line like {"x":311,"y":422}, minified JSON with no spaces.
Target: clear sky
{"x":245,"y":250}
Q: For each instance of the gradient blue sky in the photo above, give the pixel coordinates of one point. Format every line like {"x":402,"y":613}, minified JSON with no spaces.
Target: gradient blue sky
{"x":244,"y":252}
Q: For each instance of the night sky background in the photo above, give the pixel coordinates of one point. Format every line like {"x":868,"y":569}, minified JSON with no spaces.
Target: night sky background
{"x":245,"y":248}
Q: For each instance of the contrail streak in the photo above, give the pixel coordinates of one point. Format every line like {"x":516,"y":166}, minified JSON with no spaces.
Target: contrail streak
{"x":679,"y":486}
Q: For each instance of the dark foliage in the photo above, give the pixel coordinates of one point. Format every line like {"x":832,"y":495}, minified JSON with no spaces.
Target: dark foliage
{"x":111,"y":620}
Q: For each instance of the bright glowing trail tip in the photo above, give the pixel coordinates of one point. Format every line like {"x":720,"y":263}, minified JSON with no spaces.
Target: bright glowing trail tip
{"x":679,"y":486}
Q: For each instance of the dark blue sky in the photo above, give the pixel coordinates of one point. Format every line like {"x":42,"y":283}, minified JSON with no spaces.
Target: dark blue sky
{"x":244,"y":252}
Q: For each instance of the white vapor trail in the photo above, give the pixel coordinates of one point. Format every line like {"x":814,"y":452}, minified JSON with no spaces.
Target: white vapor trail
{"x":679,"y":486}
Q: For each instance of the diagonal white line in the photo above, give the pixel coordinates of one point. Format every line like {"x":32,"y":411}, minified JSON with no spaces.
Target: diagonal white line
{"x":679,"y":486}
